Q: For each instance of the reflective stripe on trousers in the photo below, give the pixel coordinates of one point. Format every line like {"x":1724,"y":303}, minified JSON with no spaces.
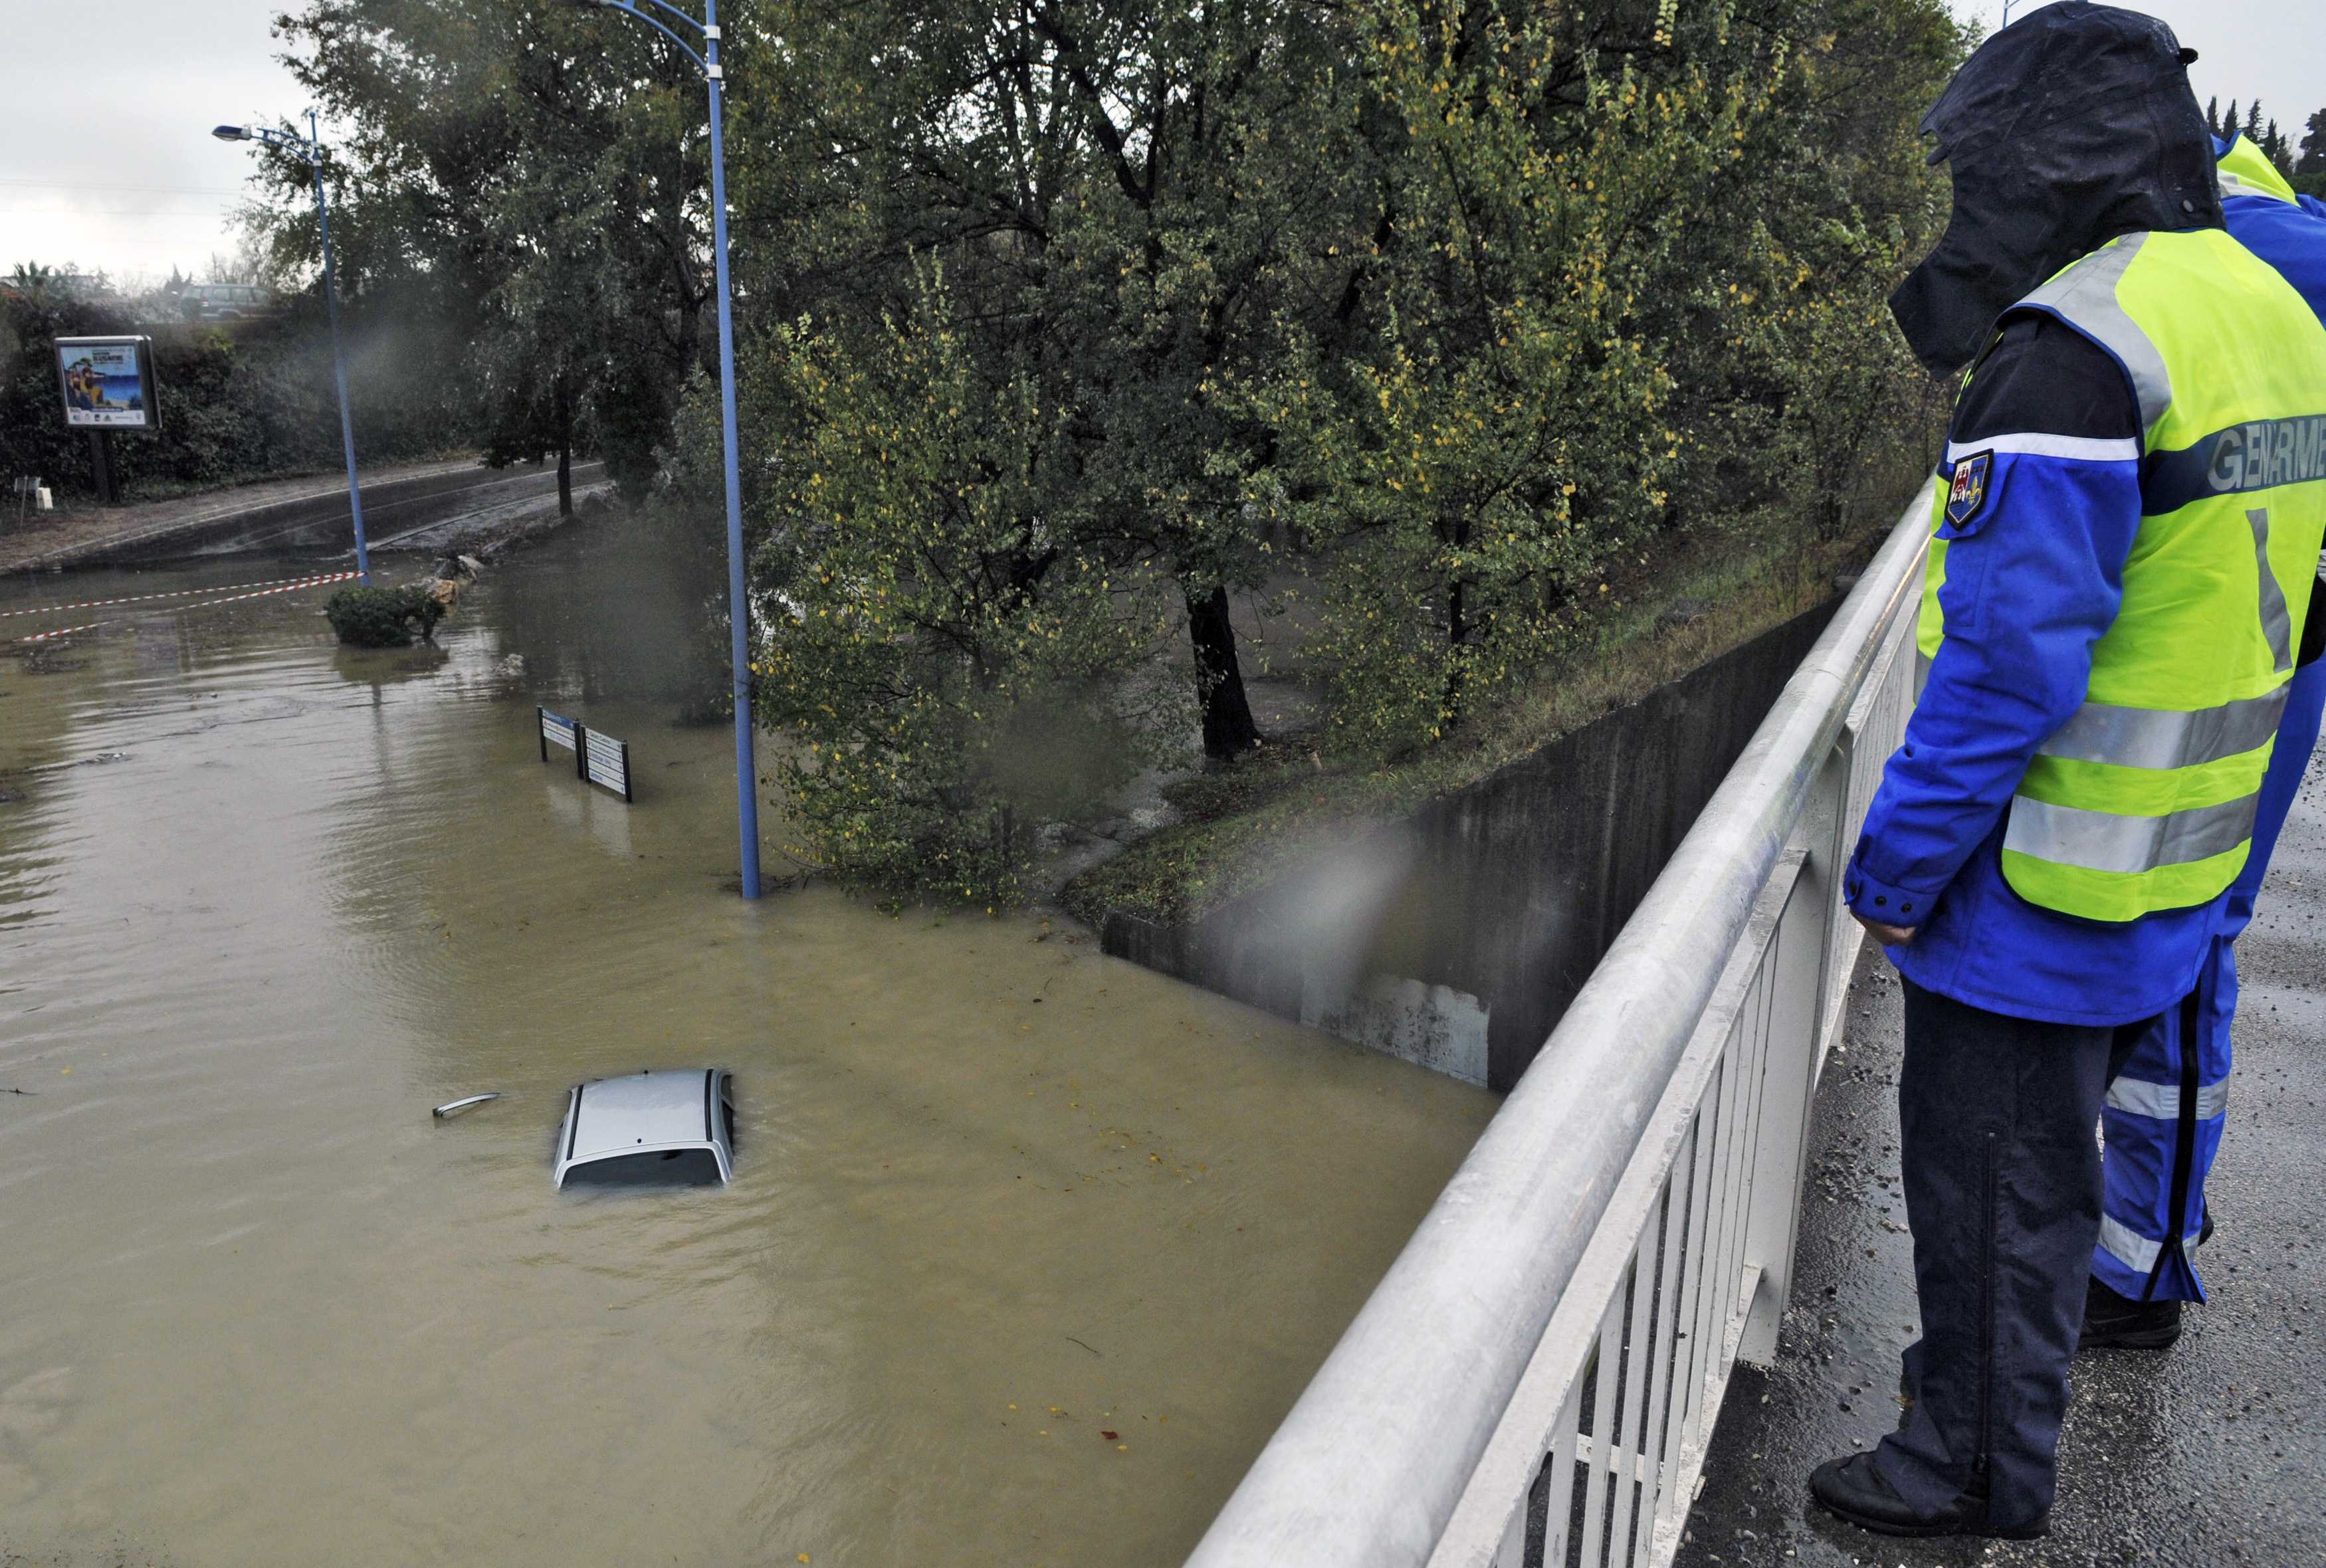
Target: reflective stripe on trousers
{"x":2161,"y":1101}
{"x":2162,"y":1122}
{"x":2135,"y":1251}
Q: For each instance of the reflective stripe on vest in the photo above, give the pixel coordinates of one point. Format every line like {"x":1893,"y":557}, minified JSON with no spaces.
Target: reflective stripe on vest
{"x":2112,"y":841}
{"x":2144,"y":799}
{"x":2084,"y":296}
{"x":2163,"y":738}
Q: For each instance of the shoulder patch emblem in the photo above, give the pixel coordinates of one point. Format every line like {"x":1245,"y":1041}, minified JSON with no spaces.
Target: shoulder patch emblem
{"x":1968,"y":488}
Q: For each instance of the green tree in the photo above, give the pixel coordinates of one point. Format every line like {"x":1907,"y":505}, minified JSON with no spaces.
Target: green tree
{"x":546,"y":169}
{"x":954,"y":669}
{"x":2314,"y":145}
{"x":1121,"y":195}
{"x":2309,"y":172}
{"x":1628,"y":282}
{"x":537,"y":360}
{"x":1456,"y":299}
{"x":32,"y":281}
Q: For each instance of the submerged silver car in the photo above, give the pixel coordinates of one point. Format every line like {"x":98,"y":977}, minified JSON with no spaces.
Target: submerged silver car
{"x":650,"y":1127}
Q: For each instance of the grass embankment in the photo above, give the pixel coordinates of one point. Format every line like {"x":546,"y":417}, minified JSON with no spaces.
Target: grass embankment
{"x":1239,"y":825}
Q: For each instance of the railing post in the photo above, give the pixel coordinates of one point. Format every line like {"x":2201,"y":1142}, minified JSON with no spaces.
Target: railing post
{"x":1804,"y":949}
{"x":1811,"y":1013}
{"x":1834,"y":822}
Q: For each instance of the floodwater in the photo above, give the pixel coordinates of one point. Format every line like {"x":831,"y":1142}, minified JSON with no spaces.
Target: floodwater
{"x":1027,"y":1252}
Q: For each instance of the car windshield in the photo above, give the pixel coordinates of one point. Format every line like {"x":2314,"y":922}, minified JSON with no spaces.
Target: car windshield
{"x":663,"y":1168}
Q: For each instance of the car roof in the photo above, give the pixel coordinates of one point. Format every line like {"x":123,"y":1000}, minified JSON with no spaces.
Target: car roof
{"x":643,"y":1113}
{"x":616,"y":1113}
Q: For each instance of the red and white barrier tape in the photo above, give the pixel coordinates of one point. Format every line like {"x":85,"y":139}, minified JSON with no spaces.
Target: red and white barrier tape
{"x":291,"y":586}
{"x":61,"y":632}
{"x":286,"y":587}
{"x":54,"y":609}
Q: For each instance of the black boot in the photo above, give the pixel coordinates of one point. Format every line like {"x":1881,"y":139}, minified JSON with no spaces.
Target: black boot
{"x":2117,"y":1322}
{"x":1853,"y":1488}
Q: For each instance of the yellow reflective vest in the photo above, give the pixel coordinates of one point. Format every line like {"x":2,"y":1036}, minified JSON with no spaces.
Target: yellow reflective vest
{"x":2144,"y":799}
{"x":2244,"y":171}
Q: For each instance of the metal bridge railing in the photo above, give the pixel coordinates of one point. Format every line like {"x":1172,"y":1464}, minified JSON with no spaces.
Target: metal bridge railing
{"x":1536,"y":1378}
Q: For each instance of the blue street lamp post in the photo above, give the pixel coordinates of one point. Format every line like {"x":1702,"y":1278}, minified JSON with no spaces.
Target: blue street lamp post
{"x":747,"y":795}
{"x":309,"y":149}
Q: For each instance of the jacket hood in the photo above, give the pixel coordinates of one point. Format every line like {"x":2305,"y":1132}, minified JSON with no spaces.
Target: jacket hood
{"x":2072,"y":126}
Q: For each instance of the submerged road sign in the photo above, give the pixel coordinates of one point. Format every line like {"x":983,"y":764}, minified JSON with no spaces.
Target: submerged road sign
{"x":606,"y":762}
{"x":556,"y":731}
{"x":598,"y":759}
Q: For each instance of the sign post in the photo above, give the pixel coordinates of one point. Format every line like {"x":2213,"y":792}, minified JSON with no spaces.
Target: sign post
{"x":107,"y":385}
{"x":598,"y":759}
{"x":100,"y":463}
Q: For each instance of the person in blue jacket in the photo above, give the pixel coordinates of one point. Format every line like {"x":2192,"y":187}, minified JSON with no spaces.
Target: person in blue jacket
{"x":2165,"y":1108}
{"x":2078,"y":156}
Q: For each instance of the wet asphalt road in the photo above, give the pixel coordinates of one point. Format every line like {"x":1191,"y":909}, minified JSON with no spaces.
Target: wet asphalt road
{"x":2212,"y":1452}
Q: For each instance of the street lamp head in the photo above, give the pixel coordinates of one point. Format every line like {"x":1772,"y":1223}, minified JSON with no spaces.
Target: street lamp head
{"x":232,"y":133}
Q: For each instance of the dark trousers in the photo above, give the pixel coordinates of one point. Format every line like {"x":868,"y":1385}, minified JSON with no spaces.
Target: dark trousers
{"x":2003,"y":1196}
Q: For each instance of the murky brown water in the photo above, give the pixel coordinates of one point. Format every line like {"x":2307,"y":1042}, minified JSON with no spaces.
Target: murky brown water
{"x":996,"y":1195}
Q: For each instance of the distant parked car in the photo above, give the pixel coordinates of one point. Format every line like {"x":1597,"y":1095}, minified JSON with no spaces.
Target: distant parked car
{"x":225,"y":301}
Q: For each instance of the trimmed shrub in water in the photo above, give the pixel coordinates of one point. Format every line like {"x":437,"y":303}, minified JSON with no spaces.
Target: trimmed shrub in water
{"x":384,"y":617}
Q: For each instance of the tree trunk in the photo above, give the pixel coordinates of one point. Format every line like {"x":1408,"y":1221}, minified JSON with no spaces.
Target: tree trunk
{"x":1228,"y":727}
{"x":1457,"y":628}
{"x":565,"y":453}
{"x":1458,"y":624}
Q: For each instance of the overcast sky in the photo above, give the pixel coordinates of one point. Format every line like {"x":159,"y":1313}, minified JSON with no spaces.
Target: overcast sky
{"x":106,"y":159}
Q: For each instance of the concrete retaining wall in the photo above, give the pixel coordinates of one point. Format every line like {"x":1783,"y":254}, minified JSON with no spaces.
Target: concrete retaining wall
{"x":1457,"y":938}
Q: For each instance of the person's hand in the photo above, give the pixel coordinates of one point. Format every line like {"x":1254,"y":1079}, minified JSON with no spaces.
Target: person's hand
{"x":1888,"y":935}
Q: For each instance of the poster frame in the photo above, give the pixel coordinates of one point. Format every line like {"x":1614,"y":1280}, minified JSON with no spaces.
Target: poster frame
{"x":143,"y":348}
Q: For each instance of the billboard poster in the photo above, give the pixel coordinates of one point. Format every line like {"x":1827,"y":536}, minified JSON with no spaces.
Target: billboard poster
{"x":108,"y":382}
